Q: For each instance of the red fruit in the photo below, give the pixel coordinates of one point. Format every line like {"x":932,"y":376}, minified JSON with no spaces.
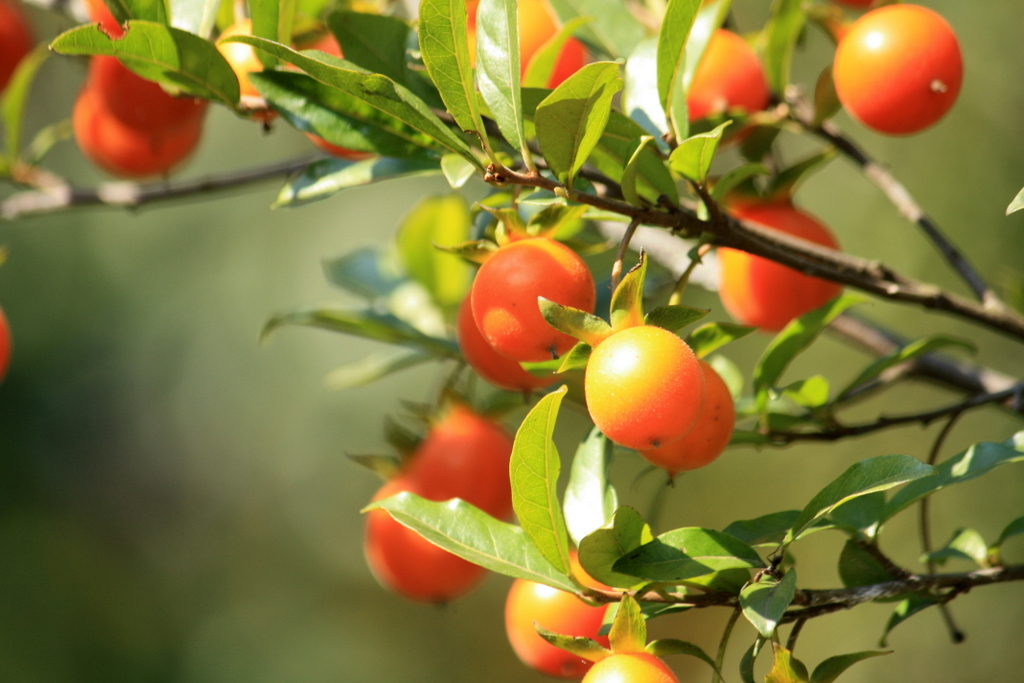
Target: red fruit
{"x":5,"y":345}
{"x":137,"y":102}
{"x":730,"y":76}
{"x":499,"y":370}
{"x":633,"y":667}
{"x":644,"y":387}
{"x":760,"y":292}
{"x":465,"y":455}
{"x":15,"y":39}
{"x":406,"y":563}
{"x":898,"y":69}
{"x":100,"y":14}
{"x":336,"y":150}
{"x":708,"y":438}
{"x":505,"y":292}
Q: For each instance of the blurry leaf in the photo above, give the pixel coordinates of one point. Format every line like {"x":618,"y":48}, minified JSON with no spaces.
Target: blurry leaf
{"x":584,"y":326}
{"x":372,"y":368}
{"x":830,"y":669}
{"x":602,"y":548}
{"x":685,"y":553}
{"x":765,"y":602}
{"x":660,"y":648}
{"x":906,"y":609}
{"x":590,"y":499}
{"x":366,"y":272}
{"x":1014,"y":528}
{"x":640,"y":99}
{"x":475,"y":536}
{"x":710,"y":17}
{"x":692,"y":158}
{"x":748,"y":659}
{"x":728,"y":371}
{"x":862,"y":514}
{"x":675,"y":29}
{"x":974,"y":462}
{"x":150,"y":10}
{"x":456,"y":170}
{"x":858,"y":567}
{"x":613,"y":29}
{"x":965,"y":544}
{"x":783,"y":185}
{"x":169,"y":56}
{"x":907,"y":352}
{"x":552,"y":220}
{"x":542,"y":63}
{"x":710,"y":337}
{"x":673,"y":317}
{"x":629,"y":630}
{"x":374,"y":42}
{"x":581,"y":646}
{"x":734,"y":177}
{"x":628,"y":183}
{"x":445,"y":49}
{"x":194,"y":16}
{"x":271,"y":19}
{"x":810,"y":393}
{"x":784,"y":26}
{"x":474,"y":251}
{"x":786,"y":668}
{"x":440,"y":219}
{"x":867,"y":476}
{"x":497,"y":49}
{"x":534,"y":473}
{"x":1017,"y":204}
{"x":327,"y":177}
{"x":385,"y":466}
{"x":826,"y":100}
{"x":15,"y":97}
{"x":572,"y":118}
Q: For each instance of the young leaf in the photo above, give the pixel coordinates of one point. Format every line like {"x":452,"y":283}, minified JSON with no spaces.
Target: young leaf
{"x":671,"y":646}
{"x":584,"y":326}
{"x":692,"y":158}
{"x":765,"y":602}
{"x":710,"y":337}
{"x":675,"y":29}
{"x":782,"y":30}
{"x":629,"y":630}
{"x":965,"y":544}
{"x":590,"y":499}
{"x":475,"y":536}
{"x":830,"y":669}
{"x":674,"y":318}
{"x":572,"y":118}
{"x":327,"y":177}
{"x":613,"y":30}
{"x":534,"y":470}
{"x":575,"y":359}
{"x":906,"y":609}
{"x":628,"y":182}
{"x":374,"y":42}
{"x":442,"y":219}
{"x":497,"y":50}
{"x":445,"y":50}
{"x":786,"y":668}
{"x":687,"y":553}
{"x":601,"y":549}
{"x":550,"y":220}
{"x":584,"y":648}
{"x":867,"y":476}
{"x":542,"y":64}
{"x":456,"y":170}
{"x":914,"y":349}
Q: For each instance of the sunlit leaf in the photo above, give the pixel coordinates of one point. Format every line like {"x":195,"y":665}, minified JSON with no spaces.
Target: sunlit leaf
{"x":445,"y":49}
{"x":1017,"y":204}
{"x":629,"y":630}
{"x":327,"y":177}
{"x":590,"y":499}
{"x":765,"y":602}
{"x":708,"y":338}
{"x":271,"y":19}
{"x":686,"y":553}
{"x":613,"y":28}
{"x":965,"y":544}
{"x":786,"y":668}
{"x":675,"y":29}
{"x":830,"y":669}
{"x":602,"y":548}
{"x":674,"y":317}
{"x":497,"y":49}
{"x":692,"y":158}
{"x":582,"y":647}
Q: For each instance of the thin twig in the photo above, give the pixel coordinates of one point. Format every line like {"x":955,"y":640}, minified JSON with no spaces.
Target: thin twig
{"x":795,"y":633}
{"x":723,"y":645}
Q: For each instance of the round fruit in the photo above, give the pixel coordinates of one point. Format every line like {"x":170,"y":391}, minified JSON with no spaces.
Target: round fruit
{"x":898,"y":69}
{"x":100,"y":14}
{"x":709,"y":436}
{"x":505,"y":292}
{"x":644,"y":387}
{"x":5,"y":345}
{"x":406,"y":563}
{"x":856,"y":3}
{"x":763,"y":293}
{"x":465,"y":455}
{"x":137,"y":102}
{"x":729,"y":76}
{"x":15,"y":39}
{"x":633,"y":667}
{"x":499,"y":370}
{"x":557,"y":611}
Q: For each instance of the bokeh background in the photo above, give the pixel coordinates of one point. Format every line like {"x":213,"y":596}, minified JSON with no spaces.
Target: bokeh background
{"x":175,"y":500}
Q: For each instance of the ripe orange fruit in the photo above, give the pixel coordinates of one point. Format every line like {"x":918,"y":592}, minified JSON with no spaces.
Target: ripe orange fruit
{"x":137,"y":102}
{"x":633,"y":667}
{"x":100,"y":14}
{"x":15,"y":39}
{"x":729,"y":76}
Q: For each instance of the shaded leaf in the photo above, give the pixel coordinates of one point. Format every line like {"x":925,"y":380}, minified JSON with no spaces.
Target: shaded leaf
{"x":576,"y":358}
{"x":858,"y":567}
{"x":590,"y":499}
{"x":906,"y":609}
{"x":385,"y":466}
{"x":765,"y":602}
{"x":687,"y":553}
{"x":784,"y":25}
{"x":671,"y":646}
{"x":907,"y":352}
{"x":601,"y":549}
{"x":629,"y":173}
{"x":710,"y":337}
{"x":327,"y":177}
{"x":372,"y":368}
{"x":786,"y":668}
{"x":1014,"y":528}
{"x":862,"y":514}
{"x":374,"y":42}
{"x":627,"y":305}
{"x":692,"y":158}
{"x":369,"y":272}
{"x":767,"y":529}
{"x":732,"y":178}
{"x":748,"y":659}
{"x":584,"y":326}
{"x":271,"y":19}
{"x":830,"y":669}
{"x":582,"y":647}
{"x":613,"y":28}
{"x":674,"y":317}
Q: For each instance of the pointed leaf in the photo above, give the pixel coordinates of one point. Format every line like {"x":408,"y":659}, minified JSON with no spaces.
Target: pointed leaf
{"x":442,"y":219}
{"x":692,"y":158}
{"x":327,"y":177}
{"x":497,"y":49}
{"x":640,"y":98}
{"x":584,"y":648}
{"x":765,"y":602}
{"x":710,"y":337}
{"x":385,"y":466}
{"x":590,"y":500}
{"x":812,"y":392}
{"x":671,"y":646}
{"x":372,"y":368}
{"x":374,"y":42}
{"x":905,"y":610}
{"x":572,"y":118}
{"x":673,"y":317}
{"x":867,"y":476}
{"x":786,"y":668}
{"x":629,"y":173}
{"x":1014,"y":528}
{"x":734,"y":177}
{"x":965,"y":544}
{"x":629,"y":630}
{"x":830,"y":669}
{"x":782,"y":31}
{"x":548,"y":222}
{"x":194,"y":16}
{"x":627,"y":307}
{"x":614,"y":30}
{"x":862,"y":514}
{"x":914,"y":349}
{"x":576,"y":358}
{"x":15,"y":97}
{"x":613,"y":153}
{"x":1017,"y":204}
{"x":534,"y":470}
{"x":542,"y":63}
{"x":584,"y":326}
{"x":687,"y":553}
{"x":602,"y":548}
{"x":768,"y":529}
{"x":445,"y":50}
{"x":475,"y":536}
{"x":675,"y":29}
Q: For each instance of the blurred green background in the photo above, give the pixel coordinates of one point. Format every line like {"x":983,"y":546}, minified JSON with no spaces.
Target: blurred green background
{"x":175,"y":504}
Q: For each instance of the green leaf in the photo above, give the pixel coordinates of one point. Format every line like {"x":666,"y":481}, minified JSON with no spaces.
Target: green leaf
{"x":555,"y":219}
{"x":445,"y":51}
{"x":584,"y":326}
{"x":692,"y":158}
{"x":765,"y":602}
{"x":629,"y":173}
{"x":572,"y":118}
{"x":672,"y":36}
{"x":542,"y":64}
{"x":614,"y":30}
{"x":687,"y":553}
{"x":590,"y":499}
{"x":748,"y":659}
{"x":627,"y":305}
{"x":602,"y":548}
{"x":456,"y":170}
{"x":584,"y":648}
{"x":965,"y":544}
{"x":375,"y":90}
{"x":710,"y":337}
{"x":441,"y":219}
{"x":575,"y":359}
{"x":830,"y":669}
{"x":195,"y":16}
{"x":497,"y":51}
{"x":374,"y":42}
{"x":674,"y":317}
{"x":327,"y":177}
{"x":385,"y":466}
{"x":15,"y":96}
{"x":372,"y":368}
{"x":732,"y":178}
{"x":370,"y":272}
{"x":906,"y":609}
{"x":150,"y":10}
{"x":640,"y":98}
{"x":784,"y":26}
{"x":710,"y":17}
{"x":271,"y":19}
{"x":792,"y":340}
{"x":1014,"y":528}
{"x":907,"y":352}
{"x":767,"y":530}
{"x":867,"y":476}
{"x":534,"y":473}
{"x":475,"y":536}
{"x":1017,"y":204}
{"x":629,"y":630}
{"x":858,"y":567}
{"x":977,"y":460}
{"x":812,"y":392}
{"x":783,"y":184}
{"x":174,"y":58}
{"x":671,"y":646}
{"x":786,"y":668}
{"x":862,"y":514}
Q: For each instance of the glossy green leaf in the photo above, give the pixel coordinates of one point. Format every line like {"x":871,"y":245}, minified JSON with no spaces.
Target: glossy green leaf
{"x":977,"y":460}
{"x":271,"y":19}
{"x":708,"y":338}
{"x":629,"y":173}
{"x":440,"y":219}
{"x":327,"y":177}
{"x":786,"y":668}
{"x":372,"y":368}
{"x":627,"y":305}
{"x":785,"y":23}
{"x":765,"y":602}
{"x":534,"y":470}
{"x":497,"y":59}
{"x":445,"y":50}
{"x":572,"y":118}
{"x":542,"y":63}
{"x":686,"y":553}
{"x":906,"y":609}
{"x":584,"y":648}
{"x":195,"y":16}
{"x":671,"y":646}
{"x":602,"y":548}
{"x":584,"y":326}
{"x":640,"y":98}
{"x":692,"y":158}
{"x":629,"y":630}
{"x":965,"y":544}
{"x":914,"y":349}
{"x":734,"y":177}
{"x":1014,"y":528}
{"x":830,"y":669}
{"x":172,"y":57}
{"x":15,"y":97}
{"x":674,"y":317}
{"x":374,"y":42}
{"x":473,"y":535}
{"x":710,"y":17}
{"x":1017,"y":204}
{"x":590,"y":499}
{"x":867,"y":476}
{"x":613,"y":29}
{"x":812,"y":392}
{"x":672,"y":36}
{"x":858,"y":567}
